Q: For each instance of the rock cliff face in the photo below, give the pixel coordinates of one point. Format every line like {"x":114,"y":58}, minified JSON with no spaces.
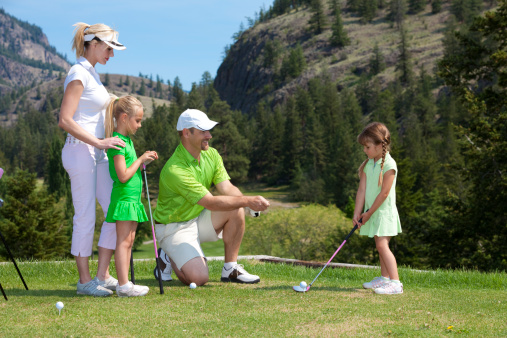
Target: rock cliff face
{"x":245,"y":78}
{"x":25,"y":55}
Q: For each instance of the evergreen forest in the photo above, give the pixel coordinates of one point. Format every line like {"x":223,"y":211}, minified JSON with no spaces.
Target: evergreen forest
{"x":448,"y":127}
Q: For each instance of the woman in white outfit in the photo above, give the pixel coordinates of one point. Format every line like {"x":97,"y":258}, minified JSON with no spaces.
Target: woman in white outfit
{"x":84,"y":156}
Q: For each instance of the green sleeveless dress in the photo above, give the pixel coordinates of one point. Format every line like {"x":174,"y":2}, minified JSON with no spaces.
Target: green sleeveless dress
{"x":125,"y":197}
{"x":385,"y":221}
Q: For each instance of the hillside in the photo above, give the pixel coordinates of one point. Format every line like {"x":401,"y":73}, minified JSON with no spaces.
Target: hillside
{"x":242,"y":79}
{"x":26,"y":57}
{"x":31,"y":70}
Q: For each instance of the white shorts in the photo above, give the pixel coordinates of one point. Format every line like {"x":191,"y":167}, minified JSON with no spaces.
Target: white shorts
{"x":88,"y":169}
{"x":182,"y":241}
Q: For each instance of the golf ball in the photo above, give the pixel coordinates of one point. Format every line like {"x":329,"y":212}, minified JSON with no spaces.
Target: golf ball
{"x":302,"y":285}
{"x":193,"y":286}
{"x":59,"y":305}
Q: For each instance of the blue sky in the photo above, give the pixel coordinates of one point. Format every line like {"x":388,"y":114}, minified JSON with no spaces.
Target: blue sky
{"x":170,"y":38}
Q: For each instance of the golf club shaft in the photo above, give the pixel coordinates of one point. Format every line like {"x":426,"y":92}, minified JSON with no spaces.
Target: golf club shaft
{"x":13,"y":261}
{"x":355,"y":227}
{"x":132,"y":277}
{"x":153,"y":233}
{"x":329,"y":261}
{"x":3,"y":292}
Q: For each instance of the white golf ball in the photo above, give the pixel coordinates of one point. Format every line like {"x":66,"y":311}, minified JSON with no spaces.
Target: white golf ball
{"x":302,"y":285}
{"x":59,"y":305}
{"x":192,"y":285}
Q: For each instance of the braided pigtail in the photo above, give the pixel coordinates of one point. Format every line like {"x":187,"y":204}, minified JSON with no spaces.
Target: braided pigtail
{"x":384,"y":151}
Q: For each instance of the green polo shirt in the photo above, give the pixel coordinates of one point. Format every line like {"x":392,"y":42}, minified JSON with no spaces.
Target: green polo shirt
{"x":184,"y":181}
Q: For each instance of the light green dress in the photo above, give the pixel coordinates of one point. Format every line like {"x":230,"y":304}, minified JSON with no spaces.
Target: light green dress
{"x":125,"y":197}
{"x":385,"y":221}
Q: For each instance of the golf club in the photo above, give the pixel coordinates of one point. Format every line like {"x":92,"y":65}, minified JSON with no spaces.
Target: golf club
{"x":8,"y":250}
{"x":298,"y":288}
{"x":132,"y":277}
{"x":153,"y":232}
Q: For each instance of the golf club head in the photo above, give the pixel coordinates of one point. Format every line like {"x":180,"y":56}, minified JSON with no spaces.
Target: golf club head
{"x":298,"y":288}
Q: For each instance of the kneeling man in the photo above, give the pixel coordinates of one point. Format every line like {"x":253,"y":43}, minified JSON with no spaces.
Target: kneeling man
{"x":188,"y":214}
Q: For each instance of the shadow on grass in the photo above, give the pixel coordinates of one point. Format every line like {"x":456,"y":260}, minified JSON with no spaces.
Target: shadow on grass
{"x":313,"y":289}
{"x":40,"y":293}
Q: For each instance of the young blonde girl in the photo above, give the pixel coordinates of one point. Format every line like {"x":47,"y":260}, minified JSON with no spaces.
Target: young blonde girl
{"x":126,"y":208}
{"x":377,"y":195}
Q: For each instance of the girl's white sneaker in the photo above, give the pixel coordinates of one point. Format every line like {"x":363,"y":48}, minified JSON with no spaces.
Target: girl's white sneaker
{"x":390,"y":288}
{"x":131,"y":290}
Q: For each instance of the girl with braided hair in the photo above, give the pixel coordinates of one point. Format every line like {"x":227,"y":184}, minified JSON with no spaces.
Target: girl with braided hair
{"x":377,"y":195}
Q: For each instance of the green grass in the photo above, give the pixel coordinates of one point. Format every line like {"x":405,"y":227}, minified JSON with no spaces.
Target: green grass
{"x":472,"y":303}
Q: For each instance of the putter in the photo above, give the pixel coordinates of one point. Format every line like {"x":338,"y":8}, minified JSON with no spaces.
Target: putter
{"x":153,"y":233}
{"x":298,"y":288}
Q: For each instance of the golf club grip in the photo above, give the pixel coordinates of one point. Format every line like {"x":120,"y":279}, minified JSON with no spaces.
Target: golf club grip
{"x":355,"y":228}
{"x":160,"y":276}
{"x":132,"y":277}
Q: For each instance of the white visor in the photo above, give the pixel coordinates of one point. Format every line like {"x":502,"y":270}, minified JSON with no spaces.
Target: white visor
{"x":109,"y":38}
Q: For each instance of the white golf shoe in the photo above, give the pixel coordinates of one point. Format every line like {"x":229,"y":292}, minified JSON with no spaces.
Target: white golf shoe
{"x":166,"y":272}
{"x":237,"y":274}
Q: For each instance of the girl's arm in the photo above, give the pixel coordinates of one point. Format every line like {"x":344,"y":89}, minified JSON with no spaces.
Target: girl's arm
{"x":387,"y":184}
{"x":124,"y":174}
{"x":361,"y":193}
{"x":70,"y":102}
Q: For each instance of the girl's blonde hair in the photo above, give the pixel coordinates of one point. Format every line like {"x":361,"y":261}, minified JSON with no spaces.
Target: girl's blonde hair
{"x":376,"y":133}
{"x":117,"y":106}
{"x":78,"y":42}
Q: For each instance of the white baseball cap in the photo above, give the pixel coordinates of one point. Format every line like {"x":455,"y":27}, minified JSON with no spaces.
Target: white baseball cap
{"x":193,"y":118}
{"x":109,"y":38}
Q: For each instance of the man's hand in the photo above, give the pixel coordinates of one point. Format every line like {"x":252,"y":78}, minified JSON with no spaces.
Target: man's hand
{"x":257,"y":203}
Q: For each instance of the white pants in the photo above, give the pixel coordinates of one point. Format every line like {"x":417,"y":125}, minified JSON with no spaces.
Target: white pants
{"x":88,"y":169}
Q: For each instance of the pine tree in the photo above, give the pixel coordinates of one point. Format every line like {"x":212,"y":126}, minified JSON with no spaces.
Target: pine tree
{"x":106,"y":80}
{"x":318,"y":21}
{"x":339,"y":37}
{"x":31,"y":222}
{"x":56,"y":177}
{"x":416,"y":6}
{"x":404,"y":62}
{"x":397,"y":12}
{"x":480,"y":234}
{"x":142,"y":89}
{"x":436,"y":6}
{"x":377,"y":63}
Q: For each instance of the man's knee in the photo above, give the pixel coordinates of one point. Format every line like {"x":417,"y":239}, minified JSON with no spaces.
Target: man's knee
{"x":195,"y":271}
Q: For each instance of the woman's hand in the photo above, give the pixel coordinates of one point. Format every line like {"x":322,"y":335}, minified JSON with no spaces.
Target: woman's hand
{"x":149,"y":156}
{"x":111,"y":142}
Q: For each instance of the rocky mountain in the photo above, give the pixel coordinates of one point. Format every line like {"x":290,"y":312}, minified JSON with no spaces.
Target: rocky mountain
{"x":26,"y":57}
{"x":31,"y":71}
{"x":252,"y":69}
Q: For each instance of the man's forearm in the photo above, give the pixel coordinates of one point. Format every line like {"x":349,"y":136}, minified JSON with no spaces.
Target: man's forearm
{"x":224,"y":203}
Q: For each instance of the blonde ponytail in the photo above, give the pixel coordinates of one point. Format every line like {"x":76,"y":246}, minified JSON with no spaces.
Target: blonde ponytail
{"x":109,"y":123}
{"x":78,"y":40}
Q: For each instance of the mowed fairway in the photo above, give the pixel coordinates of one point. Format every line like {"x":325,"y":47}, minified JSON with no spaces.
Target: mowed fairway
{"x":435,"y":303}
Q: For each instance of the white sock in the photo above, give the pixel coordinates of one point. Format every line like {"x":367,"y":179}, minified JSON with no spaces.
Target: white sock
{"x":384,"y":278}
{"x":395,"y":281}
{"x":229,"y":265}
{"x":125,"y":286}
